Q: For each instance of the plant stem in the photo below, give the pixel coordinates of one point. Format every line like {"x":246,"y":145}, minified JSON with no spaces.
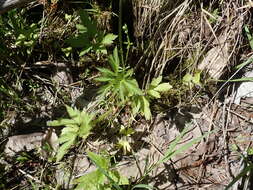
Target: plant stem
{"x":120,"y":34}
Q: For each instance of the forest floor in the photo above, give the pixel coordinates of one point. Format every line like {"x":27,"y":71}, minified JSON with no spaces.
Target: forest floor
{"x":196,"y":134}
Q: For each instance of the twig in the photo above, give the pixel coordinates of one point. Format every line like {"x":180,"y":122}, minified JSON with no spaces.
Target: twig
{"x":29,"y":176}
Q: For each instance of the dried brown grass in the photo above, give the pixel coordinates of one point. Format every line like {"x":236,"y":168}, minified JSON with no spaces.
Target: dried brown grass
{"x":184,"y":30}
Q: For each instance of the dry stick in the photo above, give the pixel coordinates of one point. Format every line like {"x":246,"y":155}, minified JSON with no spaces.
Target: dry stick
{"x":225,"y":133}
{"x":30,"y":176}
{"x":240,"y":116}
{"x":6,"y":5}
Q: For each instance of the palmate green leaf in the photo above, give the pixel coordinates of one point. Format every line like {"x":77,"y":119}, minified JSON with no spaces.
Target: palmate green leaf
{"x":122,"y":91}
{"x":107,"y":174}
{"x":85,"y":131}
{"x":154,"y":93}
{"x":119,"y":179}
{"x":71,"y":137}
{"x":67,"y":137}
{"x":107,"y":73}
{"x":98,"y":179}
{"x":136,"y":104}
{"x":187,"y":78}
{"x":104,"y":79}
{"x":116,"y":57}
{"x":126,"y":131}
{"x":129,"y":73}
{"x":132,"y":87}
{"x":86,"y":125}
{"x":156,"y":81}
{"x":114,"y":60}
{"x":163,"y":87}
{"x":64,"y":149}
{"x":70,"y":129}
{"x":72,"y":112}
{"x":61,"y":122}
{"x":196,"y":78}
{"x":99,"y":161}
{"x":108,"y":39}
{"x":101,"y":49}
{"x":85,"y":50}
{"x":86,"y":21}
{"x":81,"y":118}
{"x":105,"y":89}
{"x":87,"y":118}
{"x":90,"y":181}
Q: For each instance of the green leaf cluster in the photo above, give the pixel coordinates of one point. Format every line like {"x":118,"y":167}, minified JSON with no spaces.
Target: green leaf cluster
{"x":156,"y":87}
{"x":118,"y":81}
{"x":28,"y":37}
{"x":124,"y":145}
{"x":89,"y":38}
{"x":16,"y":29}
{"x":191,"y":80}
{"x":154,"y":90}
{"x":103,"y":178}
{"x":78,"y":126}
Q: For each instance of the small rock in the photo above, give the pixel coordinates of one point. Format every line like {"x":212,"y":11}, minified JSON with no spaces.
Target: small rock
{"x":30,"y":142}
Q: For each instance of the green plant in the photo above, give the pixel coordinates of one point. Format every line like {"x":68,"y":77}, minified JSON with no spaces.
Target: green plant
{"x":244,"y":173}
{"x":141,"y":103}
{"x":128,"y":42}
{"x":123,"y":142}
{"x":237,"y":69}
{"x":247,"y":165}
{"x":123,"y":88}
{"x":191,"y":80}
{"x":173,"y":149}
{"x":249,"y":36}
{"x":119,"y":80}
{"x":16,"y":29}
{"x":124,"y":145}
{"x":213,"y":16}
{"x":77,"y":127}
{"x":89,"y":38}
{"x":103,"y":178}
{"x":28,"y":37}
{"x":9,"y":98}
